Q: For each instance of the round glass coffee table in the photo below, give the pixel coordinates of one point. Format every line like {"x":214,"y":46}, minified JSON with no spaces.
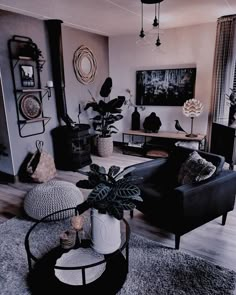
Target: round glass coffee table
{"x":79,"y":270}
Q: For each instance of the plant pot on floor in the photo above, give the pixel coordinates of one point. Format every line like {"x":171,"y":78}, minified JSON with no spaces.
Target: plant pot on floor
{"x":105,"y":146}
{"x":106,"y":235}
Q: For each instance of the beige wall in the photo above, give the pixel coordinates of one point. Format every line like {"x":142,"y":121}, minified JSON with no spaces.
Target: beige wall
{"x":187,"y":46}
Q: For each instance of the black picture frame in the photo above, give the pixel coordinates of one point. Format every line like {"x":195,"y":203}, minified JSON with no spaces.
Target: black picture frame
{"x":27,"y":76}
{"x":165,"y":87}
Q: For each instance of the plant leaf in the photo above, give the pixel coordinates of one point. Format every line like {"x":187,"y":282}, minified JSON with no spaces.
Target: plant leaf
{"x":115,"y":211}
{"x":126,"y":190}
{"x":101,"y":205}
{"x":94,"y":168}
{"x":113,"y":127}
{"x":113,"y":170}
{"x":125,"y":204}
{"x":97,"y":118}
{"x":84,"y":184}
{"x":96,"y":178}
{"x":102,"y":170}
{"x":99,"y":193}
{"x":93,"y":105}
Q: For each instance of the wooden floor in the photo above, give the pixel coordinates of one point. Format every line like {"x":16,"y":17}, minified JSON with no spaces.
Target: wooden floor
{"x":212,"y":241}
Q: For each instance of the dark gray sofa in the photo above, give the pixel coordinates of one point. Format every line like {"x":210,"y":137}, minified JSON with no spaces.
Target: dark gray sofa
{"x":182,"y":208}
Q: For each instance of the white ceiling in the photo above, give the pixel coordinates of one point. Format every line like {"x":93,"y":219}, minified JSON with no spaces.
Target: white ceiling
{"x":117,"y":17}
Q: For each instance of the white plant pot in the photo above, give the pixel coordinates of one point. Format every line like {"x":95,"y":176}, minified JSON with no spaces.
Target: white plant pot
{"x":106,"y":235}
{"x":105,"y":146}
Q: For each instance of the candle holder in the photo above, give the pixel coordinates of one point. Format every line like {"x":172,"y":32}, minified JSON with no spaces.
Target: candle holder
{"x":48,"y":89}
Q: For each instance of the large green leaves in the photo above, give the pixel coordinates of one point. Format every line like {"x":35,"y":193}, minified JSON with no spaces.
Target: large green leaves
{"x":99,"y":193}
{"x":113,"y":170}
{"x":108,"y":114}
{"x":112,"y":192}
{"x":115,"y":210}
{"x":127,"y":191}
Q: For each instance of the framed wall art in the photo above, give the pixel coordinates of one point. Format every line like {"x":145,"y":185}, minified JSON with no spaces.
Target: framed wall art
{"x":165,"y":87}
{"x":27,"y":76}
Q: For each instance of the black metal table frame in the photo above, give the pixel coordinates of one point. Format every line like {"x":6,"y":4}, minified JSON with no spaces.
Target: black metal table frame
{"x":78,"y":210}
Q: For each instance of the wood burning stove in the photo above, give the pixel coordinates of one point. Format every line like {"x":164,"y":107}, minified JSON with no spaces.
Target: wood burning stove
{"x":71,"y":142}
{"x":71,"y":147}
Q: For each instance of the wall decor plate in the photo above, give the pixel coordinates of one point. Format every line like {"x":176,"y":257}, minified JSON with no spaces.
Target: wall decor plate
{"x":30,"y":106}
{"x":85,"y":65}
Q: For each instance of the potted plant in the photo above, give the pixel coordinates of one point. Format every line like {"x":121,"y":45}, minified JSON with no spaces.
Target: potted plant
{"x":108,"y":114}
{"x":111,"y":194}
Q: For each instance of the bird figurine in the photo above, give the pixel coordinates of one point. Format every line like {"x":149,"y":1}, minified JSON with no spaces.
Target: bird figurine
{"x":178,"y":126}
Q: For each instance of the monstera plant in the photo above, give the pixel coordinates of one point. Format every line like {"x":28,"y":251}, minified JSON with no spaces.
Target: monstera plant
{"x":111,"y":193}
{"x":108,"y":113}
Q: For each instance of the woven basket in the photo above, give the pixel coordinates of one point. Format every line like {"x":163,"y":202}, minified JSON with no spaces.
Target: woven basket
{"x":41,"y":166}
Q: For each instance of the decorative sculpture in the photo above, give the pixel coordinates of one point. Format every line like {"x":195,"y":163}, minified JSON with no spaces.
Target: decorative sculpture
{"x":178,"y":126}
{"x":152,"y":123}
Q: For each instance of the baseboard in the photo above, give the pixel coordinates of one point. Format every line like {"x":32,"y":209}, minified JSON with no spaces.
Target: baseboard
{"x":5,"y":177}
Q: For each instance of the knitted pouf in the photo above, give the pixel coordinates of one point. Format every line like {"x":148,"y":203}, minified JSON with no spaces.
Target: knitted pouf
{"x":52,"y":196}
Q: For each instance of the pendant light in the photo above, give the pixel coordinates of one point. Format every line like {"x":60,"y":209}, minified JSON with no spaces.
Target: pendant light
{"x":156,"y":22}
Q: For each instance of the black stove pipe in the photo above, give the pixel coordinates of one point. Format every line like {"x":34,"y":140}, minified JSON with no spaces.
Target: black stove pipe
{"x":56,"y":51}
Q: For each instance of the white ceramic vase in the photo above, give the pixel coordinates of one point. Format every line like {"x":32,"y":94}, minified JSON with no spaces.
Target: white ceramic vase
{"x":105,"y":146}
{"x":106,"y":235}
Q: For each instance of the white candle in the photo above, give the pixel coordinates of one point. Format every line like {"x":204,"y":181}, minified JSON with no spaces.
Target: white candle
{"x":50,"y":84}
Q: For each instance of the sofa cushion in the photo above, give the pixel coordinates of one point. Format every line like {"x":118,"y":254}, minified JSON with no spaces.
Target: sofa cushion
{"x":195,"y":169}
{"x":180,"y":154}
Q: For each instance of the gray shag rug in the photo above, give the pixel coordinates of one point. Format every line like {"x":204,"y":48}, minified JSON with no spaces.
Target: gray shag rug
{"x":154,"y":269}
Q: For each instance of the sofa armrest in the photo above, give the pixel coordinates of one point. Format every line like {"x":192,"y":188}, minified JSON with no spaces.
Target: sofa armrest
{"x":212,"y":197}
{"x":146,"y":170}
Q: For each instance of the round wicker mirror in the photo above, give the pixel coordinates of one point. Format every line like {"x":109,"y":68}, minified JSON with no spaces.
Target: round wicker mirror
{"x":85,"y":65}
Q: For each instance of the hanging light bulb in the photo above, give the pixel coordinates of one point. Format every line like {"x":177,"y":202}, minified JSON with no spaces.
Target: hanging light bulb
{"x":155,"y":21}
{"x":158,"y":41}
{"x":142,"y":40}
{"x":142,"y":34}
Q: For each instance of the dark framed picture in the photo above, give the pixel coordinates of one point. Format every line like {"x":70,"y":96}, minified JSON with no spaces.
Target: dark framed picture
{"x":27,"y":76}
{"x":167,"y":87}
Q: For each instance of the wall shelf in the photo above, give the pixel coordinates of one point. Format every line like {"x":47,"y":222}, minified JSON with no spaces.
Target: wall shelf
{"x":26,"y":79}
{"x":35,"y":120}
{"x":30,"y":90}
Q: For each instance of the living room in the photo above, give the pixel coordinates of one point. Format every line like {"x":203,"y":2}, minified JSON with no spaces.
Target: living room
{"x":110,"y":32}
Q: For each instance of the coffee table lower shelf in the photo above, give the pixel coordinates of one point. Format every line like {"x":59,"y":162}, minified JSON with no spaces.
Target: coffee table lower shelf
{"x":42,"y":279}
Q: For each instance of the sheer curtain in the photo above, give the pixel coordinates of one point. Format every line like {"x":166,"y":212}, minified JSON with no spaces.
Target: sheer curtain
{"x":223,"y":70}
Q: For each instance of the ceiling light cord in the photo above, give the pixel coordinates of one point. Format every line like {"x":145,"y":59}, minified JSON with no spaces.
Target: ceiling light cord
{"x":142,"y":34}
{"x":158,"y":41}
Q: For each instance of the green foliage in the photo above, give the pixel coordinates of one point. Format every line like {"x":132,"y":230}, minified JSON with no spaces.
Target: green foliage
{"x":108,"y":114}
{"x":111,"y":191}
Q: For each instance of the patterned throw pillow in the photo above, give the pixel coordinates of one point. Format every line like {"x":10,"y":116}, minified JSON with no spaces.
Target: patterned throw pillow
{"x":195,"y":169}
